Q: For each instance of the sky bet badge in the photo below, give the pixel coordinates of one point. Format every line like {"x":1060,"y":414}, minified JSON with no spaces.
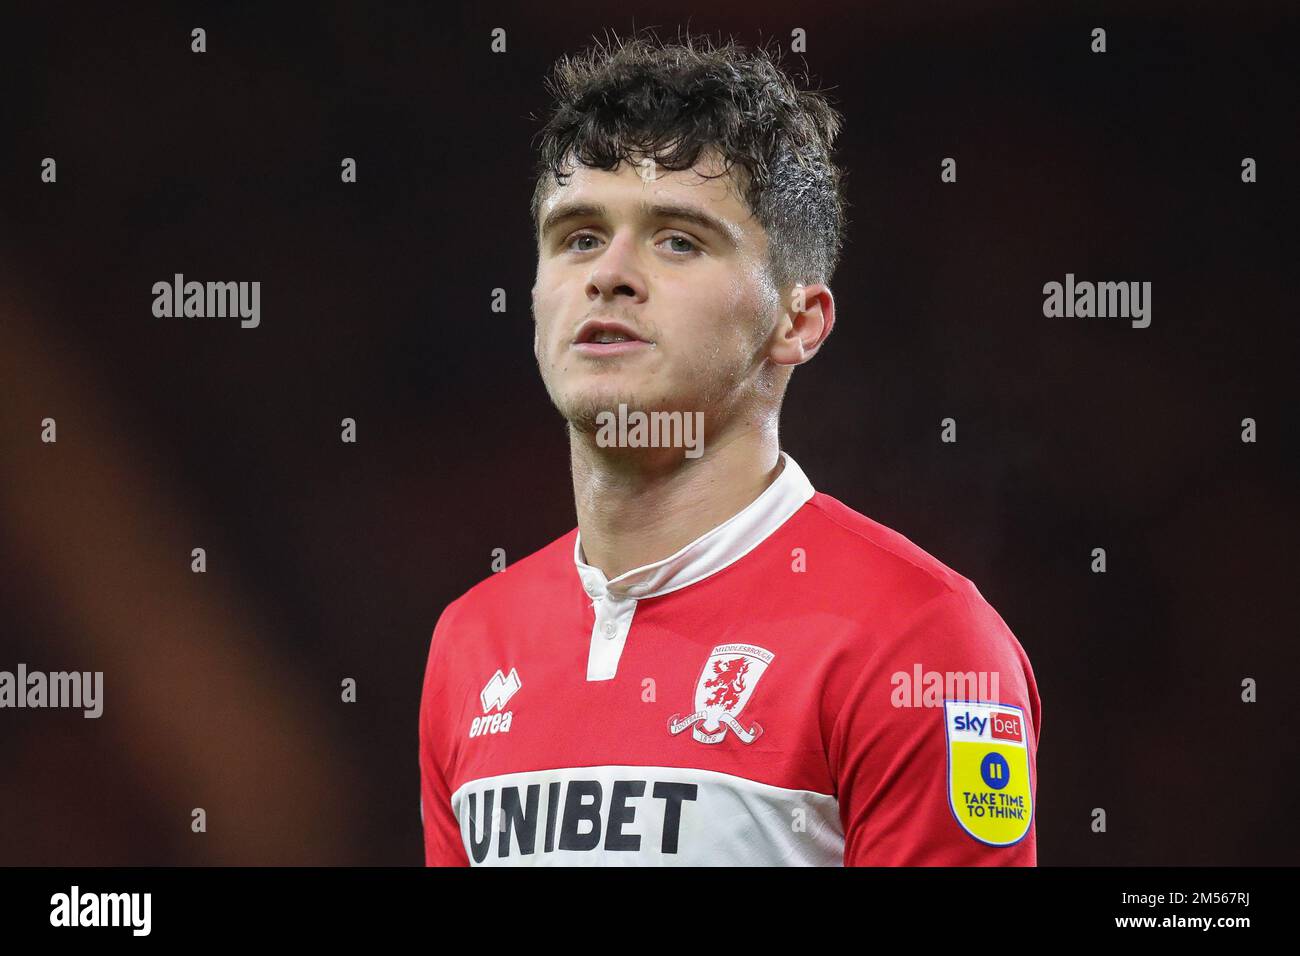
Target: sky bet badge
{"x":988,"y":770}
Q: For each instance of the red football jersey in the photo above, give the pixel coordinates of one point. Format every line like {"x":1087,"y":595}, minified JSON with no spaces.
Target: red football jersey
{"x":798,"y":686}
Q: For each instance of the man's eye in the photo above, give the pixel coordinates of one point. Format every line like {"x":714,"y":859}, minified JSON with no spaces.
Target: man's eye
{"x":580,"y":235}
{"x":689,"y":242}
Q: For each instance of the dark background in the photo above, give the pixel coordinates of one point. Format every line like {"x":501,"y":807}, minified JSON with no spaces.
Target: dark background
{"x":328,"y":561}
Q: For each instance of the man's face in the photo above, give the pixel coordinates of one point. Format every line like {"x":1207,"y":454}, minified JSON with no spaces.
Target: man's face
{"x":696,"y":299}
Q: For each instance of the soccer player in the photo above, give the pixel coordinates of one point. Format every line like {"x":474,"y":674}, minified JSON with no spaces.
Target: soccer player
{"x":720,"y":665}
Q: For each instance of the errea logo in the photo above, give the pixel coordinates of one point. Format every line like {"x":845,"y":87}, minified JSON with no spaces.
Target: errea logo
{"x":494,"y":697}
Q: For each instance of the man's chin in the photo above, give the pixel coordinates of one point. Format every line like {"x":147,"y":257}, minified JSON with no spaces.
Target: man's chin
{"x":586,"y":417}
{"x":588,"y":413}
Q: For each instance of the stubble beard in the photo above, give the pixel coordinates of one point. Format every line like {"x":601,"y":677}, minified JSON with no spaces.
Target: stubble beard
{"x":583,"y":412}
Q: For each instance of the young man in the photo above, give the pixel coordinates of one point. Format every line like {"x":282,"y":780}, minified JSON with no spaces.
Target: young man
{"x":719,"y":665}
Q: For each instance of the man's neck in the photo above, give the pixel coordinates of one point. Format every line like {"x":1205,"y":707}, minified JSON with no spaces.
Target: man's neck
{"x":638,"y":506}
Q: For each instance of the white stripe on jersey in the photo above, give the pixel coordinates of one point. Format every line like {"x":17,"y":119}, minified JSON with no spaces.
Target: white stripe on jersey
{"x":644,"y":816}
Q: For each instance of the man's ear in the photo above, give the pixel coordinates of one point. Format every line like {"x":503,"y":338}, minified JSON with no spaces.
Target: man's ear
{"x":804,"y":324}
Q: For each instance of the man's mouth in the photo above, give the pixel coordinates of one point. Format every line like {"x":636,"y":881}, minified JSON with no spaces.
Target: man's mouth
{"x":607,"y":338}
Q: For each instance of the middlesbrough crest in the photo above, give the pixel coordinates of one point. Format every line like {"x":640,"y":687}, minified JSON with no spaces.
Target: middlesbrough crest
{"x":726,"y":683}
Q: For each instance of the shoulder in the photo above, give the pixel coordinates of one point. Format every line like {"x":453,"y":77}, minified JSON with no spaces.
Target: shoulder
{"x":858,"y":557}
{"x":852,"y":532}
{"x":906,"y":599}
{"x":531,"y":581}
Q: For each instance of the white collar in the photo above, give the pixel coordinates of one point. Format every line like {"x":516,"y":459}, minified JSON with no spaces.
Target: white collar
{"x":711,"y":551}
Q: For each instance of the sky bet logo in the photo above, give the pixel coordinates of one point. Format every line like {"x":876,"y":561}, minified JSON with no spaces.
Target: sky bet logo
{"x":1004,"y":726}
{"x":990,"y":777}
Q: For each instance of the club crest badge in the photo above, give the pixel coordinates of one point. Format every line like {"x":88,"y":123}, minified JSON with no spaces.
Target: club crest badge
{"x":726,"y":684}
{"x":989,"y":790}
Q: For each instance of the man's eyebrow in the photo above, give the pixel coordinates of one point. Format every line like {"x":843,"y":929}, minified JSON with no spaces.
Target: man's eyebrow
{"x":576,"y":209}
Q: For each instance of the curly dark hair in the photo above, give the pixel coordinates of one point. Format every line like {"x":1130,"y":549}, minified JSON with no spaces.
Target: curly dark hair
{"x":641,"y":97}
